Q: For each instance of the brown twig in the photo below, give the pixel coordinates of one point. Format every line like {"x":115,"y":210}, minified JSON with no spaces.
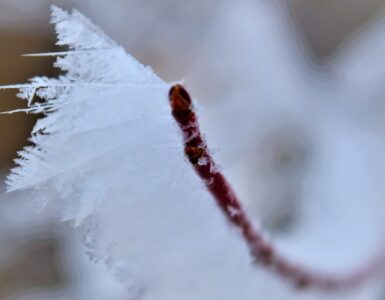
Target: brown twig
{"x":261,"y":250}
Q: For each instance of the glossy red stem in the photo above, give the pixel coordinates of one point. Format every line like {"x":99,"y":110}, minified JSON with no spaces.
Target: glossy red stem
{"x":261,"y":250}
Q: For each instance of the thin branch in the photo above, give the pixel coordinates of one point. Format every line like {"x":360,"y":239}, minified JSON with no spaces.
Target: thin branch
{"x":263,"y":251}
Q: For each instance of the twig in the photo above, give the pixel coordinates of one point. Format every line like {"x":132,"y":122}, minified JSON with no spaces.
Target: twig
{"x":261,"y":250}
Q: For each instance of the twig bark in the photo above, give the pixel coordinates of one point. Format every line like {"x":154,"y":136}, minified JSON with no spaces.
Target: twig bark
{"x":263,"y":252}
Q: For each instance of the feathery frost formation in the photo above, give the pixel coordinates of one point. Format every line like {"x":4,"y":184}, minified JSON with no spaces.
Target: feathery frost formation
{"x":109,"y":151}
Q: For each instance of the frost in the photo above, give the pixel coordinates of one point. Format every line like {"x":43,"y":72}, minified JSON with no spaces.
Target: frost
{"x":203,"y":161}
{"x":109,"y":152}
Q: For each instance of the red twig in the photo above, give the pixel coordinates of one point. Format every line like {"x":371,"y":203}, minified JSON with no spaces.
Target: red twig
{"x":261,"y":250}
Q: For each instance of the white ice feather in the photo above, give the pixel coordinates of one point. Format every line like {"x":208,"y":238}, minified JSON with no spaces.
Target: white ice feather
{"x":110,"y":152}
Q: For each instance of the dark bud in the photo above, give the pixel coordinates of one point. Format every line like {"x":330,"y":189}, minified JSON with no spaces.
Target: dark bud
{"x":180,"y":103}
{"x":194,"y":153}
